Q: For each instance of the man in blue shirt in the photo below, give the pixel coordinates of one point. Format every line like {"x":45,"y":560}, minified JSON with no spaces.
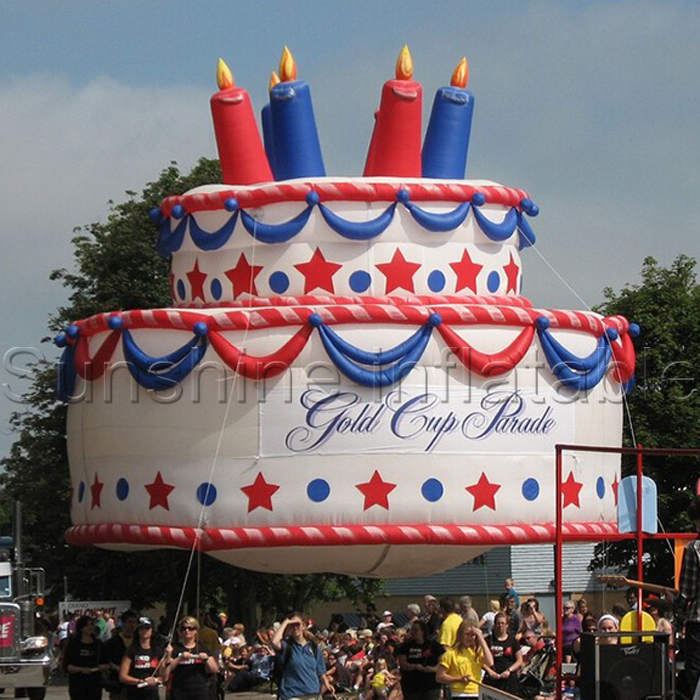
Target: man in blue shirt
{"x":303,"y":667}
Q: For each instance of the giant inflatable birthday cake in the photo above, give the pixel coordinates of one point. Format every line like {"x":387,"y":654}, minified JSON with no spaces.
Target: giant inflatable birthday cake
{"x":348,"y":378}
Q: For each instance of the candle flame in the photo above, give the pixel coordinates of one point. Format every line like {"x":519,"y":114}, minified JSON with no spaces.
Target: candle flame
{"x":288,"y":66}
{"x":274,"y":80}
{"x":224,"y":77}
{"x":460,"y":77}
{"x":404,"y":64}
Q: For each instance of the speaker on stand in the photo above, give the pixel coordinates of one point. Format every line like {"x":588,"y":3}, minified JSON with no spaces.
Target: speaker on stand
{"x":625,"y":671}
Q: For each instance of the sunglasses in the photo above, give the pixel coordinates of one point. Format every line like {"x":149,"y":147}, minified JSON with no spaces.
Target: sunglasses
{"x":188,"y":628}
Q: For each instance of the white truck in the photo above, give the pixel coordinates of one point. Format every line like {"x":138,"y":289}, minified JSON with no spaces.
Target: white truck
{"x":25,"y":661}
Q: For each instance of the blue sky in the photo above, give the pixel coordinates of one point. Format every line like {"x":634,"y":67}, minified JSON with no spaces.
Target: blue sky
{"x":592,"y":107}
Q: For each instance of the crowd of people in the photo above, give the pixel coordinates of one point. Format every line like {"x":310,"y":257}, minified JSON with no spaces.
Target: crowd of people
{"x":442,"y":648}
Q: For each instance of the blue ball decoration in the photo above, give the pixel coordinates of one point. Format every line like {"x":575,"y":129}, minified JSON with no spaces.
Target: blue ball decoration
{"x":360,"y":281}
{"x":312,"y":199}
{"x":315,"y":320}
{"x":155,"y":215}
{"x":200,"y":328}
{"x":181,"y":292}
{"x":530,"y":489}
{"x":231,"y":204}
{"x":529,"y":207}
{"x":81,"y":491}
{"x":216,"y":289}
{"x":60,"y":340}
{"x":493,"y":282}
{"x":478,"y":199}
{"x":403,"y":196}
{"x":115,"y":322}
{"x":122,"y":489}
{"x":611,"y":333}
{"x":279,"y":282}
{"x":634,"y":330}
{"x":318,"y":490}
{"x":600,"y":487}
{"x":542,"y":323}
{"x":72,"y":331}
{"x":178,"y":211}
{"x":206,"y":493}
{"x":434,"y":320}
{"x":436,"y":281}
{"x":432,"y":490}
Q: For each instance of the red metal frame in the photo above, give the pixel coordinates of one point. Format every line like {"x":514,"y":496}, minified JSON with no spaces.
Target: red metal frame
{"x":639,"y":535}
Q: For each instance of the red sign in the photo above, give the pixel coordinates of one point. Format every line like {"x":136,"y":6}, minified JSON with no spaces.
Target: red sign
{"x":7,"y":631}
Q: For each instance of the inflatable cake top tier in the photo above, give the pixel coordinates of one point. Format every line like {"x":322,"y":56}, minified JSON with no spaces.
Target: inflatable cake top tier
{"x":370,"y":237}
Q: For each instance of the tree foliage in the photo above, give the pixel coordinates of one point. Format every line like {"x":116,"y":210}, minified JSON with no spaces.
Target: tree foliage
{"x":665,"y":405}
{"x":117,"y":268}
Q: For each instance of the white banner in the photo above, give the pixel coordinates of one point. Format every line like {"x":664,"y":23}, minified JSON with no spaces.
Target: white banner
{"x":88,"y":607}
{"x":410,"y":420}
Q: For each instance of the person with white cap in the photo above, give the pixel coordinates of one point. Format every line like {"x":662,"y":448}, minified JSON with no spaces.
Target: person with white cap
{"x":143,"y":663}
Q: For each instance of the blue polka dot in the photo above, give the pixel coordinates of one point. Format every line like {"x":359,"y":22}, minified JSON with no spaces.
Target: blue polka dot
{"x":122,"y":489}
{"x":206,"y":493}
{"x":531,"y":489}
{"x":436,"y":281}
{"x":432,"y":490}
{"x":600,"y":487}
{"x":81,"y":491}
{"x":181,"y":289}
{"x":216,"y":289}
{"x":360,"y":281}
{"x":493,"y":282}
{"x":279,"y":282}
{"x":318,"y":490}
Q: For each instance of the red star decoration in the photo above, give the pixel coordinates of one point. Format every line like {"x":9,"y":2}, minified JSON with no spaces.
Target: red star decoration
{"x":615,"y":485}
{"x":197,"y":279}
{"x":376,"y":491}
{"x":467,"y":272}
{"x":260,"y":493}
{"x":570,"y":490}
{"x":243,"y":277}
{"x":484,"y":493}
{"x":511,"y":270}
{"x":399,"y":272}
{"x":159,"y":491}
{"x":96,"y":493}
{"x":318,"y":273}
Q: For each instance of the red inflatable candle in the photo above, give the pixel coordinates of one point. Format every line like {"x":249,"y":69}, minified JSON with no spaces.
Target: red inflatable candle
{"x":395,"y":148}
{"x":242,"y":156}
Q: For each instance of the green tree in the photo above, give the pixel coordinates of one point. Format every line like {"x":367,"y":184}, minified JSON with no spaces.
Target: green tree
{"x":117,"y":268}
{"x":665,"y":404}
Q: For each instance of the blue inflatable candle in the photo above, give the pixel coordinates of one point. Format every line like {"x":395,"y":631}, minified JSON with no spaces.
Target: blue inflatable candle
{"x":266,"y":118}
{"x":297,"y":151}
{"x":447,"y":138}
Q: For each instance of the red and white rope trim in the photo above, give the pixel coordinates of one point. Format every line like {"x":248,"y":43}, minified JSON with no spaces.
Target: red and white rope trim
{"x":454,"y":314}
{"x":213,"y":539}
{"x":249,"y":197}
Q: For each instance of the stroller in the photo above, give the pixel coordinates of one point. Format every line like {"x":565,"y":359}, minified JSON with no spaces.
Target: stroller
{"x":539,"y":675}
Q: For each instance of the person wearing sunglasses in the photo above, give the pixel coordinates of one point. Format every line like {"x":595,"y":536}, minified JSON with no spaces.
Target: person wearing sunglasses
{"x":303,"y":670}
{"x":191,"y":664}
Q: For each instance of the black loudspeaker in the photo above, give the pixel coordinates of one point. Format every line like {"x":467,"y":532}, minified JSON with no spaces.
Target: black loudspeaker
{"x":624,"y":671}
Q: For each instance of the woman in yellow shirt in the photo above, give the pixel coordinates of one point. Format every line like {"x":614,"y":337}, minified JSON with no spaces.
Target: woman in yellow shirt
{"x":462,"y":665}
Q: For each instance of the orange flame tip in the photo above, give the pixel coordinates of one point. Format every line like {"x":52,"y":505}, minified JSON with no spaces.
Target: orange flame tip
{"x":404,"y":65}
{"x":274,"y":80}
{"x":460,"y":77}
{"x":288,"y":66}
{"x":224,"y":77}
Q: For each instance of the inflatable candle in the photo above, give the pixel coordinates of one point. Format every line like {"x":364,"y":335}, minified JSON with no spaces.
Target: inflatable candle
{"x":348,"y":378}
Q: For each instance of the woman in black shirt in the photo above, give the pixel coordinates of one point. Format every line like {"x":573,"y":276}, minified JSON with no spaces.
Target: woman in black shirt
{"x":142,"y":663}
{"x":418,"y":661}
{"x":86,"y":660}
{"x":507,"y":657}
{"x":190,"y":665}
